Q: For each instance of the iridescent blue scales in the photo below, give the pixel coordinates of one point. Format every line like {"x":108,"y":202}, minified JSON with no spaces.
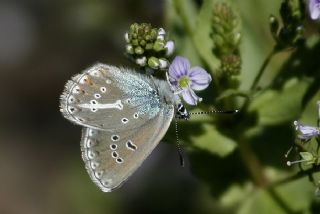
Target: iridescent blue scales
{"x":124,"y":115}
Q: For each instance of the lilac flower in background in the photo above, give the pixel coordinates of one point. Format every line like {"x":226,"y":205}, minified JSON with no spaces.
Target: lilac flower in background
{"x":306,"y":132}
{"x":185,"y":80}
{"x":314,"y":9}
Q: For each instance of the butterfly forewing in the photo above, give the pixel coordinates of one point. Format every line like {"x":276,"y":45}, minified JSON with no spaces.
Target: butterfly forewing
{"x":109,"y":98}
{"x":111,"y":157}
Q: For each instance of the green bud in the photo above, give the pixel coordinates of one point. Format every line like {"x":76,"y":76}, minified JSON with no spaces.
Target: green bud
{"x":144,"y":41}
{"x":129,"y":49}
{"x":236,"y":39}
{"x":219,"y":41}
{"x":153,"y":62}
{"x":139,"y":50}
{"x":274,"y":25}
{"x":135,"y":42}
{"x":225,"y":26}
{"x":306,"y":156}
{"x":158,"y":45}
{"x":148,"y":37}
{"x":153,"y":34}
{"x":231,"y":64}
{"x":292,"y":13}
{"x":134,"y":36}
{"x":149,"y":46}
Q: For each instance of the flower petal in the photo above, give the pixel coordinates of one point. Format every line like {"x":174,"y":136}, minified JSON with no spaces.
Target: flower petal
{"x":306,"y":132}
{"x":314,"y":9}
{"x":190,"y":97}
{"x":200,"y":79}
{"x":179,"y":67}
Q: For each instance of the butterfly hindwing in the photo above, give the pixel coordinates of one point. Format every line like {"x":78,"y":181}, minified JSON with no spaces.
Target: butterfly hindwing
{"x":110,"y":98}
{"x":111,"y":157}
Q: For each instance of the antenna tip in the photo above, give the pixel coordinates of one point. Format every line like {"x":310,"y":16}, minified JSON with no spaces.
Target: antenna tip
{"x":237,"y":110}
{"x":289,"y":163}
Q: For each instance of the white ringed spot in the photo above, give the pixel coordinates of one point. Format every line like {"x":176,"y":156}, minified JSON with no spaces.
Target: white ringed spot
{"x":119,"y":160}
{"x":131,"y":146}
{"x":94,"y":164}
{"x":114,"y":154}
{"x":97,"y":96}
{"x":113,"y":146}
{"x":124,"y":120}
{"x":103,"y":89}
{"x":115,"y":137}
{"x":99,"y":174}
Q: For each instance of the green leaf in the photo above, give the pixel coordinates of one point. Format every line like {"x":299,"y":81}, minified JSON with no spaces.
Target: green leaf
{"x":274,"y":107}
{"x":187,"y":11}
{"x":232,"y":93}
{"x":288,"y":199}
{"x":214,"y":141}
{"x":306,"y":156}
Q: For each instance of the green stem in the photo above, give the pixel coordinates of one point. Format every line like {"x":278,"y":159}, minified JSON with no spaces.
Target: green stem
{"x":297,"y":176}
{"x":282,"y":204}
{"x":252,"y":163}
{"x":263,"y":67}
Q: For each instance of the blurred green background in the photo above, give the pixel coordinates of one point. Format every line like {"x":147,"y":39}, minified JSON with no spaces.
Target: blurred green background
{"x":42,"y":44}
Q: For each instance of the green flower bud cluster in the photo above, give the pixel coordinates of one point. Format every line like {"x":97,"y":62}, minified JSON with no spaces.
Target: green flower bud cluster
{"x":148,"y":47}
{"x":225,"y":29}
{"x":231,"y":64}
{"x":291,"y":33}
{"x":226,"y":36}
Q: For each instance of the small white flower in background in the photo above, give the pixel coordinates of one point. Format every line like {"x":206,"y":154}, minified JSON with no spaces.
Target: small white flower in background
{"x":314,"y":9}
{"x":185,"y":80}
{"x":306,"y":132}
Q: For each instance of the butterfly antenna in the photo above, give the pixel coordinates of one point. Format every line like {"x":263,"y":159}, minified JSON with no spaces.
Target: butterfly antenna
{"x":215,"y":112}
{"x":288,"y":152}
{"x":178,"y":145}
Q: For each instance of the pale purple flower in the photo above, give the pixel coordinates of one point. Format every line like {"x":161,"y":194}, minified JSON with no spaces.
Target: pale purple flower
{"x":185,"y":80}
{"x":314,"y":9}
{"x":306,"y":132}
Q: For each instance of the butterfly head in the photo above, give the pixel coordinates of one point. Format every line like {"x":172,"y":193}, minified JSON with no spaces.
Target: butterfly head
{"x":182,"y":112}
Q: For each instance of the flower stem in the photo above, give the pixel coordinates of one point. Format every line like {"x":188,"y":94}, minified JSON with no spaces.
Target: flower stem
{"x":294,"y":177}
{"x":252,"y":163}
{"x":263,"y":67}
